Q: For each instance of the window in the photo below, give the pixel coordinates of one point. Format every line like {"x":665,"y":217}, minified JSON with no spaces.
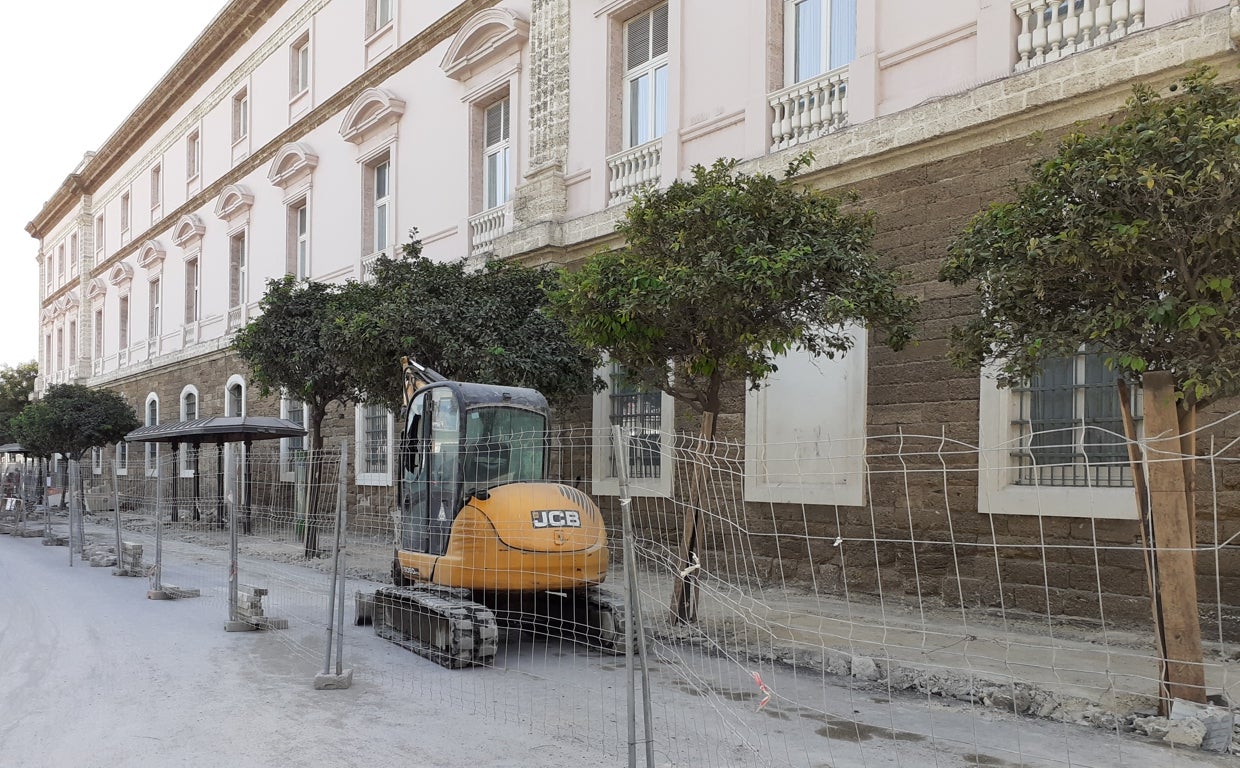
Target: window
{"x":99,"y":238}
{"x":125,"y":213}
{"x":72,"y":356}
{"x":236,"y":270}
{"x":60,"y":263}
{"x":192,"y":283}
{"x":99,"y":333}
{"x":378,"y":15}
{"x":60,"y":349}
{"x":496,"y":159}
{"x":820,"y":35}
{"x":47,"y":350}
{"x":154,"y":326}
{"x":299,"y":65}
{"x":73,"y":254}
{"x":291,"y":448}
{"x":157,"y":187}
{"x":374,"y":445}
{"x":234,"y":398}
{"x":1054,"y":446}
{"x":1071,"y":427}
{"x":193,"y":155}
{"x":152,"y":449}
{"x":96,"y":461}
{"x":379,"y":192}
{"x":122,"y":323}
{"x":645,"y":77}
{"x":122,"y":458}
{"x":189,"y":412}
{"x":240,"y":115}
{"x":645,"y":416}
{"x":299,"y":240}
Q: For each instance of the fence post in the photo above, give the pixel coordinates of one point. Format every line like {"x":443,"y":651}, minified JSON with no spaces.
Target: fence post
{"x":335,"y":604}
{"x":72,"y":505}
{"x":635,"y":631}
{"x":159,"y":527}
{"x":116,"y":514}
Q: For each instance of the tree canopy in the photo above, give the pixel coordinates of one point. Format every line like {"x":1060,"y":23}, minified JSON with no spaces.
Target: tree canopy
{"x":70,"y":419}
{"x":1125,"y":241}
{"x":286,"y":346}
{"x":722,"y":273}
{"x":16,"y":384}
{"x":486,"y":326}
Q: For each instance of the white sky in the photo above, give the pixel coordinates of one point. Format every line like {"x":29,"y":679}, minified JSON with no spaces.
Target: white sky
{"x":72,"y":71}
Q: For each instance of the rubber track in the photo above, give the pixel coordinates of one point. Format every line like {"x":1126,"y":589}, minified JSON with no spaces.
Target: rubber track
{"x":473,"y":635}
{"x":614,"y":639}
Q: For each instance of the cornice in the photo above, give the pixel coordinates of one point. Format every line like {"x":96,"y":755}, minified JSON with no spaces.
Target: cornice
{"x":421,"y":44}
{"x":223,"y":37}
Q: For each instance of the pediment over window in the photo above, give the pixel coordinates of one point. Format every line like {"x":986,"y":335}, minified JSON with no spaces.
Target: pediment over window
{"x":151,"y":255}
{"x":48,"y":314}
{"x":120,"y":275}
{"x":374,"y":109}
{"x":486,"y":38}
{"x":234,"y":201}
{"x":97,"y":289}
{"x":293,"y":160}
{"x":188,"y":228}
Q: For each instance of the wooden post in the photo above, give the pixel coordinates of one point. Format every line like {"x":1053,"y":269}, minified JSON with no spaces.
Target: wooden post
{"x":1174,"y":542}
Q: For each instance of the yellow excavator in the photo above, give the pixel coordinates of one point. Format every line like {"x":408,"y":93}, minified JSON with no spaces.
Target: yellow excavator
{"x":485,"y":541}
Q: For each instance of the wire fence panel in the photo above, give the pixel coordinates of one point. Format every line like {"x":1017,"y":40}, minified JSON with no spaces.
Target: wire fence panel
{"x":909,"y":629}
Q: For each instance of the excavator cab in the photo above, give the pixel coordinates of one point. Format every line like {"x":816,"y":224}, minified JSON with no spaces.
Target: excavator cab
{"x":484,"y":540}
{"x":462,"y":440}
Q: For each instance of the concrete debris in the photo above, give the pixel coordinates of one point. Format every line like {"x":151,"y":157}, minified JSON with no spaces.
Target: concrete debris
{"x":131,"y":560}
{"x":864,"y":668}
{"x":1186,"y":733}
{"x":1219,"y":723}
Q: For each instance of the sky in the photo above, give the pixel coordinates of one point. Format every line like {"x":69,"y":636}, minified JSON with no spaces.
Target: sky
{"x":72,"y":71}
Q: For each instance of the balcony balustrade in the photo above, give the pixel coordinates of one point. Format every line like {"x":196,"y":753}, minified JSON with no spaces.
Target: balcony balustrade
{"x":809,"y":109}
{"x":485,"y":227}
{"x":1051,"y":30}
{"x":633,"y":169}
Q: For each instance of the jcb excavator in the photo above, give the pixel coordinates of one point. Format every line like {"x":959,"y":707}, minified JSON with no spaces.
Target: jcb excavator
{"x":486,"y":542}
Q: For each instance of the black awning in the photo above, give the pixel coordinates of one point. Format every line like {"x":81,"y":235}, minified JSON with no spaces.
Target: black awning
{"x":217,"y":429}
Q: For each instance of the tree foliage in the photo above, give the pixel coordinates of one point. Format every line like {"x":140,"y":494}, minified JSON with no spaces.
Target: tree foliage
{"x":70,"y":419}
{"x":286,"y":346}
{"x":16,"y":384}
{"x":1125,"y":241}
{"x":486,"y":326}
{"x":722,"y":273}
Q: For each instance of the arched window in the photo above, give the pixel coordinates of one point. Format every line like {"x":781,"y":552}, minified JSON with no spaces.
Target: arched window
{"x":152,"y":449}
{"x":189,"y":412}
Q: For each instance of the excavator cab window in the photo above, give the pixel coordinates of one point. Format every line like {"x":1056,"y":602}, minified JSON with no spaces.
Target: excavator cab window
{"x":432,"y":483}
{"x":503,"y":445}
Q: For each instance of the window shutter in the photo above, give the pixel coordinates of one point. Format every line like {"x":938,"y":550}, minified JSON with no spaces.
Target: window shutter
{"x":497,"y":123}
{"x":659,"y":33}
{"x":637,"y":47}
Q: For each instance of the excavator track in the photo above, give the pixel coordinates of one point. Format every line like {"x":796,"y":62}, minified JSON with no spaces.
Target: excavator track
{"x":607,"y":620}
{"x":589,"y":617}
{"x":441,"y":624}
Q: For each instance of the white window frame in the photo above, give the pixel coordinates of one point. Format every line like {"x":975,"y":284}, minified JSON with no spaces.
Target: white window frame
{"x":151,"y":454}
{"x":289,"y":406}
{"x":299,"y":238}
{"x":193,"y":288}
{"x":381,"y":204}
{"x":61,"y":264}
{"x":651,"y":68}
{"x":379,"y":15}
{"x":98,"y":333}
{"x":360,"y":440}
{"x":74,"y":255}
{"x":604,"y":482}
{"x":157,"y":186}
{"x":71,"y":341}
{"x":99,"y":236}
{"x":997,"y":491}
{"x":123,"y":332}
{"x":238,"y":268}
{"x":791,"y":41}
{"x":300,"y":65}
{"x":120,"y":457}
{"x":502,"y":149}
{"x":193,"y":155}
{"x":126,"y":214}
{"x":235,"y":382}
{"x":96,"y":461}
{"x":189,"y":452}
{"x":155,"y":306}
{"x":240,"y":115}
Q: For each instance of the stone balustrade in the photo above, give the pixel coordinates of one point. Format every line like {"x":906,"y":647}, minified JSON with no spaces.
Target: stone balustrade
{"x":809,"y":109}
{"x":1050,"y":30}
{"x":236,"y":317}
{"x":634,"y":169}
{"x":485,"y":227}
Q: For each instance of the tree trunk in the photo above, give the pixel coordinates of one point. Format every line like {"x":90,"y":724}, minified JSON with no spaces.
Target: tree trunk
{"x":1173,"y":546}
{"x":685,"y":592}
{"x":313,"y":474}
